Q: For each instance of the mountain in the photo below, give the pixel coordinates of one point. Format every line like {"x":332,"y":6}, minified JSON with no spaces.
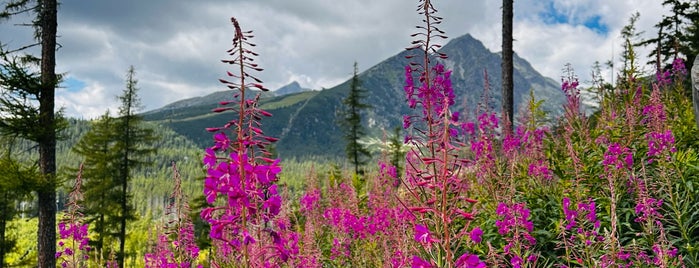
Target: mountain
{"x":191,"y":106}
{"x":291,"y":88}
{"x":306,"y":122}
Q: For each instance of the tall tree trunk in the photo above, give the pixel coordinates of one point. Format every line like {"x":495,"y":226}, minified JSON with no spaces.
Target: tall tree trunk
{"x":46,"y":194}
{"x":695,"y":89}
{"x":507,"y":64}
{"x":125,"y":168}
{"x":99,"y":246}
{"x":124,"y":211}
{"x":3,"y":225}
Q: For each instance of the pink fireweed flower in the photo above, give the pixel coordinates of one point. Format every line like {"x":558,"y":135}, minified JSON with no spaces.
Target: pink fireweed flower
{"x":514,"y":225}
{"x":221,"y":141}
{"x":663,"y":78}
{"x":570,"y":215}
{"x":678,"y":68}
{"x":512,"y":142}
{"x":409,"y":86}
{"x":420,"y":263}
{"x":618,"y":157}
{"x":487,"y":121}
{"x":660,"y":144}
{"x":654,"y":115}
{"x":422,"y":235}
{"x":435,"y":97}
{"x":309,"y":201}
{"x":590,"y":212}
{"x":73,"y":234}
{"x":476,"y":234}
{"x":406,"y":122}
{"x":468,"y":260}
{"x":648,"y":208}
{"x":469,"y":128}
{"x":540,"y":169}
{"x":240,"y":181}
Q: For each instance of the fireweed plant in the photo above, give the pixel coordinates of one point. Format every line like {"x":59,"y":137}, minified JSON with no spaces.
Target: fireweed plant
{"x":634,"y":146}
{"x":175,"y":245}
{"x":240,"y":181}
{"x":73,"y":249}
{"x":437,"y":194}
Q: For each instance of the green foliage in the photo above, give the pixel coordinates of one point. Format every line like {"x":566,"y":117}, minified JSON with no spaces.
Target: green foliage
{"x":20,"y":90}
{"x":24,"y":232}
{"x":16,"y":183}
{"x":397,"y":150}
{"x":100,"y":188}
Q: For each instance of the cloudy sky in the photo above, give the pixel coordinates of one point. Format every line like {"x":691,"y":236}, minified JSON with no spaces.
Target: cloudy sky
{"x":176,"y":45}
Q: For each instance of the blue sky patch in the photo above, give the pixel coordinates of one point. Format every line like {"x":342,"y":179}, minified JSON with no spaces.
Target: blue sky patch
{"x":595,"y":23}
{"x":551,"y":15}
{"x":72,"y":85}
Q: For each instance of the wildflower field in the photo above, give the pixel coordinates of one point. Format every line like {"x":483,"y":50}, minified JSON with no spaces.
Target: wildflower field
{"x":616,"y":186}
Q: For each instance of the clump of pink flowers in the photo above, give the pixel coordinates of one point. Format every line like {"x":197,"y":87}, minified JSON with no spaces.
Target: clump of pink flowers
{"x":514,"y":225}
{"x":176,"y":246}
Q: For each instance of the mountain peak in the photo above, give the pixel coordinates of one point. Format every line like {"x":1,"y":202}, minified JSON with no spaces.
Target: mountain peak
{"x":465,"y":43}
{"x":293,"y":87}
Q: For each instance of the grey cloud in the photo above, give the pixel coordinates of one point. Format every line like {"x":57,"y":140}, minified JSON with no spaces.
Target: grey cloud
{"x":176,"y":45}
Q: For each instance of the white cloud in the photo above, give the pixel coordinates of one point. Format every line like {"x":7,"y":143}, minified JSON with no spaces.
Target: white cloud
{"x":87,"y":103}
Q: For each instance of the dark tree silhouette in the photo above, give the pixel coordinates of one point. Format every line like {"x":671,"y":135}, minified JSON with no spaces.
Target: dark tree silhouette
{"x":507,"y":64}
{"x":352,"y":122}
{"x":677,"y":35}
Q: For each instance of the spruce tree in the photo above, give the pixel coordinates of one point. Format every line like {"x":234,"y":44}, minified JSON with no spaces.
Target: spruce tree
{"x":357,"y":153}
{"x":100,"y":188}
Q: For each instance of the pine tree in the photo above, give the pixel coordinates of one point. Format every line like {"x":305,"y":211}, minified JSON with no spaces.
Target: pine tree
{"x":132,"y":144}
{"x":45,"y":24}
{"x":352,"y":122}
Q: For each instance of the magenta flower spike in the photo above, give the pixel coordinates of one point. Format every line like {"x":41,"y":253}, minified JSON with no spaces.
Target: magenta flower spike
{"x":241,"y":176}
